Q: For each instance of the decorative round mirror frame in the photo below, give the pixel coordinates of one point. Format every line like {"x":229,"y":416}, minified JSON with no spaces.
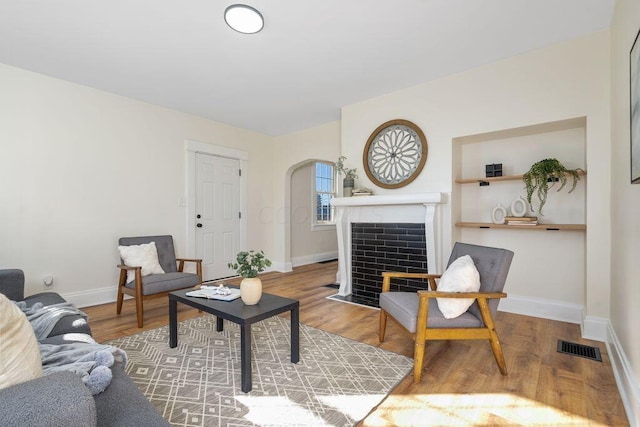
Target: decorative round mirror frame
{"x":384,"y":161}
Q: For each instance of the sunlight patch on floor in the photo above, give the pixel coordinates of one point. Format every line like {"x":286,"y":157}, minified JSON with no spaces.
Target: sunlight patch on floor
{"x":471,"y":409}
{"x":277,"y":410}
{"x":356,"y":407}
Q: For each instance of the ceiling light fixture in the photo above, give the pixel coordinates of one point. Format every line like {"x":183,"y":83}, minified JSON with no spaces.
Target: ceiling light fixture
{"x":244,"y":19}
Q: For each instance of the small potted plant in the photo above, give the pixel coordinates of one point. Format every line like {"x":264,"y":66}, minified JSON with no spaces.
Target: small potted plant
{"x":349,"y":176}
{"x":249,"y":265}
{"x":542,"y":173}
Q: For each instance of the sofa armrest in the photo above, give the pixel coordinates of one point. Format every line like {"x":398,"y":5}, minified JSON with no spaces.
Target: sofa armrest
{"x":52,"y":400}
{"x":12,"y":284}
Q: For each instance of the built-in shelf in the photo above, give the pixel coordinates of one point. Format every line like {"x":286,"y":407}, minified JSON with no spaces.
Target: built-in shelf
{"x":499,"y":178}
{"x":551,"y":227}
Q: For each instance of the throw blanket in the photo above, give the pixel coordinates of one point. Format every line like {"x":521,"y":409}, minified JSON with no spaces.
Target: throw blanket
{"x":90,"y":360}
{"x":44,"y":318}
{"x":83,"y":356}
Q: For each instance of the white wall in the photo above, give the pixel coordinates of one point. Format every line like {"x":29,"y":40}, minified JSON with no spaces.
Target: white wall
{"x":625,"y":209}
{"x":80,"y":167}
{"x":308,"y":244}
{"x":290,"y":152}
{"x":564,"y":81}
{"x":517,"y":152}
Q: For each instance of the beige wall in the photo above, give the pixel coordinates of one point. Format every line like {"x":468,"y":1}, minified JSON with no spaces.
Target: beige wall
{"x":290,"y":152}
{"x":564,"y":81}
{"x":81,"y":167}
{"x":308,"y":244}
{"x":625,"y":209}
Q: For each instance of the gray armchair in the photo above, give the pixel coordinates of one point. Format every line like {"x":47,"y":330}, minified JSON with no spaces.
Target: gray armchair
{"x":173,"y":278}
{"x":419,"y":316}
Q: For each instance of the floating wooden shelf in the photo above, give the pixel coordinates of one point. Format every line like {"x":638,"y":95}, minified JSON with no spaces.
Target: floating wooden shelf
{"x":551,"y":227}
{"x":498,"y":178}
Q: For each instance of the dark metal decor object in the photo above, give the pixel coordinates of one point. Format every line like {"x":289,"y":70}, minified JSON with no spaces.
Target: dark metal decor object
{"x":395,"y":154}
{"x":493,"y":170}
{"x":581,"y":350}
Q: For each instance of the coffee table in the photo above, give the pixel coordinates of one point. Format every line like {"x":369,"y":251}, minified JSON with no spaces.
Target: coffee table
{"x":244,"y":315}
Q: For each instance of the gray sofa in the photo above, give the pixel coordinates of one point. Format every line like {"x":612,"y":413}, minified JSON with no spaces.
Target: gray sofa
{"x":61,"y":399}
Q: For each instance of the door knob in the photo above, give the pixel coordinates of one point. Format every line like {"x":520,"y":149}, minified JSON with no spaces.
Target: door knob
{"x":198,"y":216}
{"x":199,"y":225}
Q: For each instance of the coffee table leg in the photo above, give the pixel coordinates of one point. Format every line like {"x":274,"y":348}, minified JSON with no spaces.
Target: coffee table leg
{"x":295,"y":335}
{"x":219,"y":324}
{"x":245,"y":357}
{"x":173,"y":323}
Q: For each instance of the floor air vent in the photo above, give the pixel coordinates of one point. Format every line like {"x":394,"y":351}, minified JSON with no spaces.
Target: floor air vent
{"x":580,"y":350}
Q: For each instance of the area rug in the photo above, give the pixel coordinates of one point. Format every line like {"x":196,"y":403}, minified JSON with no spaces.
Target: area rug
{"x":336,"y":383}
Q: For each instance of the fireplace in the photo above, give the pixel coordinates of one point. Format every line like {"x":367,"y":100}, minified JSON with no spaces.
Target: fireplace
{"x":366,"y":225}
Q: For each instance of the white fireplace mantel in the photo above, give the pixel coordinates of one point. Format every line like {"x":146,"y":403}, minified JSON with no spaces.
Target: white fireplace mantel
{"x":408,"y":208}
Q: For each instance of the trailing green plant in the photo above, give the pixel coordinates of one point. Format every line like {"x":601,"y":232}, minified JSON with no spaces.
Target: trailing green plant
{"x":348,"y":173}
{"x":544,"y":172}
{"x":250,"y":264}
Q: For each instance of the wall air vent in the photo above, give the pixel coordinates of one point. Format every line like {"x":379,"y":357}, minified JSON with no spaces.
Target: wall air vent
{"x":580,"y":350}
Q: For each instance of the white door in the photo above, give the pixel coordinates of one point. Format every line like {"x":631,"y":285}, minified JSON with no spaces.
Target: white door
{"x":217,"y":214}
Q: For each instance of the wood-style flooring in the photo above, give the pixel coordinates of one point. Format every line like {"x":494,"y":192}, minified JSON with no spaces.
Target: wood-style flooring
{"x":461,"y":385}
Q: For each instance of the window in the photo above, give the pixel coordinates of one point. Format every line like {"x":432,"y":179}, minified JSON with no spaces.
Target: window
{"x":324,"y":186}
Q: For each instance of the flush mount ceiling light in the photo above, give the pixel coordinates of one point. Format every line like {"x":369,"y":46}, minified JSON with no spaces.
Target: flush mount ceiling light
{"x":244,"y":19}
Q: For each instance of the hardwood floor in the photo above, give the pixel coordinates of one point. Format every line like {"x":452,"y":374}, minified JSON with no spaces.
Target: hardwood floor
{"x":462,"y":384}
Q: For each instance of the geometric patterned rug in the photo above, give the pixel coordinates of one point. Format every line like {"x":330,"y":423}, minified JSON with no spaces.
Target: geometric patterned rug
{"x":336,"y":382}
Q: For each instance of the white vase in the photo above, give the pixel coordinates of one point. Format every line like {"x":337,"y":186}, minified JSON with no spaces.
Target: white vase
{"x":498,"y":214}
{"x":251,"y":290}
{"x":519,"y":207}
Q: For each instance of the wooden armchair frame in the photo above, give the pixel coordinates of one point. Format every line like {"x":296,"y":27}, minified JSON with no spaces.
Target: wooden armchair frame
{"x":137,"y":291}
{"x":155,"y":285}
{"x":424,"y":333}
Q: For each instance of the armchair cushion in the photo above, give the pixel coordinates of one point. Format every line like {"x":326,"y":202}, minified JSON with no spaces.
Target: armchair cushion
{"x":403,"y":306}
{"x":19,"y":352}
{"x":144,"y":255}
{"x":460,"y":276}
{"x":157,"y":283}
{"x":164,"y":246}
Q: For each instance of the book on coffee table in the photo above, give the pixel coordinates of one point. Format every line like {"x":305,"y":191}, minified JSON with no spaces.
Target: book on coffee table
{"x":214,"y":293}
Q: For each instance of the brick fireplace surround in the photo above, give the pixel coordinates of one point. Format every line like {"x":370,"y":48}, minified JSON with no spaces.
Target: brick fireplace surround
{"x":384,"y":233}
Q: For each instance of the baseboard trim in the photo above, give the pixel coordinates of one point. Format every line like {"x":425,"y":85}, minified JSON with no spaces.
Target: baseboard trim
{"x":311,"y":259}
{"x":595,"y":328}
{"x":627,"y":385}
{"x":92,"y":297}
{"x":281,"y":267}
{"x":543,"y":308}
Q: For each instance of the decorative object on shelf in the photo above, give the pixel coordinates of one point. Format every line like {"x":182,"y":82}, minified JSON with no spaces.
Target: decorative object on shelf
{"x":349,"y":176}
{"x":634,"y":85}
{"x":249,"y":265}
{"x":493,"y":170}
{"x":519,"y":207}
{"x":541,"y":173}
{"x":395,"y":154}
{"x":521,"y":220}
{"x":499,"y":214}
{"x":362,"y":191}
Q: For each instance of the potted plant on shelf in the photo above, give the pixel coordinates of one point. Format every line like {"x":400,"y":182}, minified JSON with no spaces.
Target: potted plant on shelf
{"x":249,"y":265}
{"x":349,"y":176}
{"x":542,"y":173}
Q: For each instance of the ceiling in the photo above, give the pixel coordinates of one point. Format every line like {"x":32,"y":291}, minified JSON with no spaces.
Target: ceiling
{"x":312,"y":57}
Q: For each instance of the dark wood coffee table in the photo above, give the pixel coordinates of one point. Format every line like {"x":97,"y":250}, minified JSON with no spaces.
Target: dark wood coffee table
{"x":244,"y":315}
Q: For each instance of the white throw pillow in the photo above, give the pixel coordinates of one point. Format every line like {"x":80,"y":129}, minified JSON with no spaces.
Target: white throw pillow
{"x":144,"y":255}
{"x":19,"y":352}
{"x":461,"y":276}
